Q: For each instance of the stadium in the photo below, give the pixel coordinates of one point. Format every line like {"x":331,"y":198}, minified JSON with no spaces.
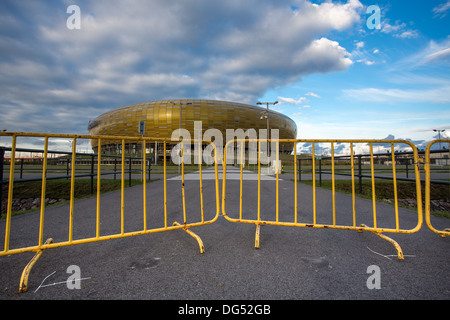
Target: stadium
{"x":163,"y":117}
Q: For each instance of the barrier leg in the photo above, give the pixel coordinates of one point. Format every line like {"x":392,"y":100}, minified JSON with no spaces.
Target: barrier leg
{"x":26,"y":271}
{"x":258,"y":227}
{"x":199,"y":240}
{"x":396,"y":245}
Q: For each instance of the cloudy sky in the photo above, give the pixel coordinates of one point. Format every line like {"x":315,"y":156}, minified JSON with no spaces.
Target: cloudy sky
{"x":332,"y":72}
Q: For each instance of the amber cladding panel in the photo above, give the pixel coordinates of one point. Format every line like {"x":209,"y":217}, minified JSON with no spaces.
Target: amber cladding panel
{"x":162,"y":117}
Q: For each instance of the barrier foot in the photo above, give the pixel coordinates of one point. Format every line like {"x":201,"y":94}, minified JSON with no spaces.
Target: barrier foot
{"x":199,"y":240}
{"x":258,"y":227}
{"x":26,"y":271}
{"x":396,"y":245}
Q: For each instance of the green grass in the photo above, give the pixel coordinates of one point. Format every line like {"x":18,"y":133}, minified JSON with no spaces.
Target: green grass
{"x":385,"y":190}
{"x":60,"y":189}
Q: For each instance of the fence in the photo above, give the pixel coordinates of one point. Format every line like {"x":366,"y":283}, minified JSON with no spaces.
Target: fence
{"x":276,"y":219}
{"x":178,"y":201}
{"x":297,"y":207}
{"x":428,"y":159}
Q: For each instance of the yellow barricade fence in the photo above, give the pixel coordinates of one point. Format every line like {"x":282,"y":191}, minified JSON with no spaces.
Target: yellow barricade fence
{"x":292,"y":204}
{"x":172,"y":205}
{"x":287,"y":211}
{"x":428,"y":160}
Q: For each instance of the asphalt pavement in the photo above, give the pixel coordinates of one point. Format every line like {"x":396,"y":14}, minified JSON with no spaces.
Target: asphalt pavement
{"x":292,"y":263}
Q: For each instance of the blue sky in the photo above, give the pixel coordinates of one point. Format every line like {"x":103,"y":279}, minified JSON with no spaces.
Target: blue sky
{"x":331,"y":73}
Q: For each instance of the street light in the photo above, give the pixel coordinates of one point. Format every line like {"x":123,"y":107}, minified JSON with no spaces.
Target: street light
{"x":439,"y":135}
{"x":181,"y":104}
{"x":266,"y":115}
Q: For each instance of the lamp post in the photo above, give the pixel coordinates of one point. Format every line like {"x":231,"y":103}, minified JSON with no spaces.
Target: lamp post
{"x":439,"y":135}
{"x":266,"y":115}
{"x":181,"y":105}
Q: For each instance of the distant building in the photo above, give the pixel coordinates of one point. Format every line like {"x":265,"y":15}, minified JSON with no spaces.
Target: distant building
{"x":162,"y":117}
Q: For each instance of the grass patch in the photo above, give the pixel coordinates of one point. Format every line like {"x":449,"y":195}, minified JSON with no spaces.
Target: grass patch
{"x":60,"y":189}
{"x":384,"y":190}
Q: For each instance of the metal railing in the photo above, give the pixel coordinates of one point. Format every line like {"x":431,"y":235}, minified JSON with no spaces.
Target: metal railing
{"x":428,"y":182}
{"x":295,"y":221}
{"x":286,"y":207}
{"x":39,"y":243}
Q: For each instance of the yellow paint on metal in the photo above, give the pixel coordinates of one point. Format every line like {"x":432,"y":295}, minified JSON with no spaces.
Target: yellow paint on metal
{"x":165,"y":187}
{"x":43,"y":187}
{"x":394,"y":175}
{"x":374,"y":200}
{"x":257,"y":233}
{"x":10,"y":193}
{"x":375,"y":229}
{"x":23,"y":287}
{"x":72,"y":187}
{"x":144,"y":184}
{"x":240,"y":182}
{"x":196,"y":237}
{"x":395,"y":243}
{"x":122,"y":190}
{"x":313,"y":156}
{"x":445,"y":232}
{"x":353,"y":183}
{"x":333,"y":183}
{"x":295,"y":183}
{"x":97,"y":237}
{"x":99,"y":170}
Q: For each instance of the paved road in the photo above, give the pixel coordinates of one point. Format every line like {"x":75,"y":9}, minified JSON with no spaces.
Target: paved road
{"x":291,"y":263}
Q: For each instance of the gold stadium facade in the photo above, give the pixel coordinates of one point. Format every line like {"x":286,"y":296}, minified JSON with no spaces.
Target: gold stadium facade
{"x":163,"y":117}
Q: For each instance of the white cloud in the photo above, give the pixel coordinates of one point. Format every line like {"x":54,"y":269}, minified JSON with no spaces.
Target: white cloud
{"x":399,"y":29}
{"x":438,"y":95}
{"x":441,"y":10}
{"x":312,"y":94}
{"x":439,"y":55}
{"x":128,"y":52}
{"x":433,"y":53}
{"x":292,"y":100}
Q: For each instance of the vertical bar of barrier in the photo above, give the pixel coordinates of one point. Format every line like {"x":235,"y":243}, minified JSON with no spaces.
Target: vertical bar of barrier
{"x":418,"y":187}
{"x":182,"y":182}
{"x":333,"y":184}
{"x":72,"y":187}
{"x":10,"y":192}
{"x":217,"y":181}
{"x":43,"y":189}
{"x":144,"y":183}
{"x":277,"y":169}
{"x":295,"y":185}
{"x":314,"y":180}
{"x":259,"y":180}
{"x":122,"y":186}
{"x":394,"y":175}
{"x":99,"y":169}
{"x":359,"y":174}
{"x":165,"y":188}
{"x":130,"y":163}
{"x":2,"y":162}
{"x":353,"y":183}
{"x":200,"y":177}
{"x":240,"y":187}
{"x":92,"y":174}
{"x":374,"y":203}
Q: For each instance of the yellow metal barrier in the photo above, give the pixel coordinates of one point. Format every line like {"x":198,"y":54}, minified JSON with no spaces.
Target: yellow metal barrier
{"x":428,"y":180}
{"x":295,"y":221}
{"x":40,"y":245}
